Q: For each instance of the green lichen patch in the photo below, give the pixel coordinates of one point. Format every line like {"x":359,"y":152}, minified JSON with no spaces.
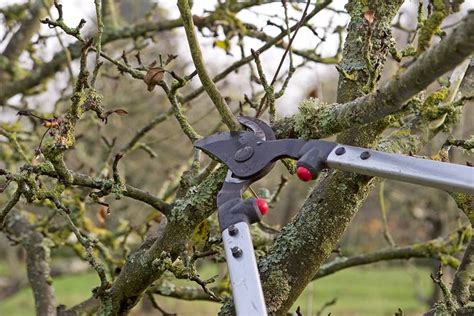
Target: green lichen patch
{"x":431,"y":26}
{"x":276,"y":289}
{"x":313,"y":119}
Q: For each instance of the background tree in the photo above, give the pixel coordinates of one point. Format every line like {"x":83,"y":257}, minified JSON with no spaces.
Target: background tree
{"x":100,"y":120}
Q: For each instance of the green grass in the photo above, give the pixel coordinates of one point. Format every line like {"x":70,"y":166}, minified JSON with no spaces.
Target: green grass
{"x":69,"y":290}
{"x":368,"y":291}
{"x":376,"y":290}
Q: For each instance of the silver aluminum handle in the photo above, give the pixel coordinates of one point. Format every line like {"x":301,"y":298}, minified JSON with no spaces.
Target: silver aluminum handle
{"x":244,"y":276}
{"x":436,"y":174}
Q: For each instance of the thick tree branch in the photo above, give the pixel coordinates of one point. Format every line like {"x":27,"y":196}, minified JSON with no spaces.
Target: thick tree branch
{"x":29,"y":27}
{"x":464,"y":276}
{"x":143,"y":265}
{"x":37,"y":249}
{"x":318,"y":120}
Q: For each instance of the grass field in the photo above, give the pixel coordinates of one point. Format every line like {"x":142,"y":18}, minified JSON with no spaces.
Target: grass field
{"x":375,"y":290}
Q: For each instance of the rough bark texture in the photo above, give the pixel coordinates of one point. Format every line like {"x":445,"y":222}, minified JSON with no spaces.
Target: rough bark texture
{"x":143,"y":266}
{"x":307,"y":241}
{"x":37,"y":249}
{"x":463,"y":277}
{"x":318,"y":120}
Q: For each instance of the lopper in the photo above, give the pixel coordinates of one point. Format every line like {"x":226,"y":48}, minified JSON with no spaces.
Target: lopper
{"x":251,"y":154}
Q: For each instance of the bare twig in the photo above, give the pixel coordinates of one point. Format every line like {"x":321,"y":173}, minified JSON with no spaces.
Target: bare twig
{"x":98,"y":40}
{"x":383,"y":211}
{"x":155,"y":305}
{"x":275,"y":76}
{"x":208,"y":84}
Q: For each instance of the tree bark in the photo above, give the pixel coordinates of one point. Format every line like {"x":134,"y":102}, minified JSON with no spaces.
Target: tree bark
{"x":37,"y":249}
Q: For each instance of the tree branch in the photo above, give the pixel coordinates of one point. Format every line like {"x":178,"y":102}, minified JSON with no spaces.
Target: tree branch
{"x":440,"y":249}
{"x":207,"y":83}
{"x":100,"y":183}
{"x":37,"y":249}
{"x":463,"y":276}
{"x":10,"y":205}
{"x":29,"y":27}
{"x":317,"y":120}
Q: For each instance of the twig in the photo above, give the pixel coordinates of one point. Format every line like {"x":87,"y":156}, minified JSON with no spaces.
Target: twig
{"x":178,"y":112}
{"x":297,"y":27}
{"x":210,"y":87}
{"x":451,"y":304}
{"x":115,"y":172}
{"x":383,"y":211}
{"x":462,"y":278}
{"x":98,"y":40}
{"x":67,"y":53}
{"x":269,"y":97}
{"x":275,"y":196}
{"x":10,"y":205}
{"x":155,"y":305}
{"x":326,"y":305}
{"x":275,"y":76}
{"x":88,"y":243}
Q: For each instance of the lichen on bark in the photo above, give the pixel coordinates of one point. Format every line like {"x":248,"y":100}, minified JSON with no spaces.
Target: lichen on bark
{"x":305,"y":243}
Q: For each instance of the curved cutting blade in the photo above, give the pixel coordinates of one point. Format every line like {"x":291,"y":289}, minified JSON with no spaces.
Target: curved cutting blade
{"x":259,"y":127}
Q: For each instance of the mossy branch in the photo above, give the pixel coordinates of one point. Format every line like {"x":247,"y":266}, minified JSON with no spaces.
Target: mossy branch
{"x":440,"y":249}
{"x":28,"y":28}
{"x":323,"y":121}
{"x":100,"y":183}
{"x":462,"y":279}
{"x":38,"y":256}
